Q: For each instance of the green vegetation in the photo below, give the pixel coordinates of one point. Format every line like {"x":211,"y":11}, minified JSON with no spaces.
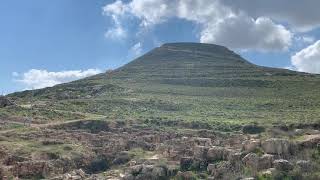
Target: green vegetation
{"x":187,"y":85}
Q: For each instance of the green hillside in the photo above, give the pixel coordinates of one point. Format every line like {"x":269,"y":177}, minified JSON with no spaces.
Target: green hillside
{"x":189,"y":85}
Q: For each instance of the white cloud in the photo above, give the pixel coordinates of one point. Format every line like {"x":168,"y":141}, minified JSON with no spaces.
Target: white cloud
{"x":115,"y":10}
{"x":116,"y":33}
{"x":36,"y":79}
{"x":135,"y":50}
{"x":218,"y":22}
{"x":300,"y":15}
{"x":242,"y":32}
{"x":308,"y":59}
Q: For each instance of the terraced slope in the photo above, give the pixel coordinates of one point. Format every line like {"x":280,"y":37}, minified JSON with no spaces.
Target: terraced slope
{"x":187,"y":85}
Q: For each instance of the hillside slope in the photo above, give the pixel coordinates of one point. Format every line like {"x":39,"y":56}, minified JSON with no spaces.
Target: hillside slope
{"x":190,"y":84}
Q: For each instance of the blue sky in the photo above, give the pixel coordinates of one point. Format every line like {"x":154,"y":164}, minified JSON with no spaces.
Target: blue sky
{"x":45,"y":42}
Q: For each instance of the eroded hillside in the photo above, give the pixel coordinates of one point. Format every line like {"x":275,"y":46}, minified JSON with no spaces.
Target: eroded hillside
{"x":181,"y":111}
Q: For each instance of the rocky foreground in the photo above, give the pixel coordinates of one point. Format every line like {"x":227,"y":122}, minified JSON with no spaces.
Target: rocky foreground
{"x":126,"y":150}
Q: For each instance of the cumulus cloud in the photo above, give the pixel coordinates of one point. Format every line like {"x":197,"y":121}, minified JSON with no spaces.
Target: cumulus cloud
{"x":219,"y":23}
{"x":242,"y":32}
{"x":301,"y":15}
{"x":308,"y":59}
{"x":36,"y":79}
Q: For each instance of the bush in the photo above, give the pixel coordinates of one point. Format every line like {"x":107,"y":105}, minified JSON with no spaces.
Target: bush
{"x":99,"y":164}
{"x":252,"y":129}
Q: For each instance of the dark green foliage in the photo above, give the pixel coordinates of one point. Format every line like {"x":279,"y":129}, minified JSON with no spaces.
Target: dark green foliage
{"x":186,"y":164}
{"x":252,"y":129}
{"x":99,"y":164}
{"x":92,"y":126}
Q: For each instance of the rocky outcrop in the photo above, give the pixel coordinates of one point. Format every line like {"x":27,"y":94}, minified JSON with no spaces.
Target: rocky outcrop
{"x":216,"y":153}
{"x":144,"y":172}
{"x":218,"y":170}
{"x":278,"y":147}
{"x":188,"y":175}
{"x":282,"y":165}
{"x":310,"y":141}
{"x":250,"y":145}
{"x":30,"y":169}
{"x":4,"y":102}
{"x":304,"y":165}
{"x":251,"y":160}
{"x":266,"y":161}
{"x":73,"y":175}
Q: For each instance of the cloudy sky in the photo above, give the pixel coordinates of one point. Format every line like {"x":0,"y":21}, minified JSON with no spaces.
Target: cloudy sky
{"x":45,"y":42}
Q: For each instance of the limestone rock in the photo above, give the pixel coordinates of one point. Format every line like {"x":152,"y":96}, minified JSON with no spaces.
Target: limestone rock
{"x":282,"y":165}
{"x":188,"y":175}
{"x":265,"y":161}
{"x":250,"y":145}
{"x":310,"y":141}
{"x":220,"y":169}
{"x":276,"y":146}
{"x":29,"y":168}
{"x":135,"y":169}
{"x":304,"y":165}
{"x":251,"y":160}
{"x":216,"y":153}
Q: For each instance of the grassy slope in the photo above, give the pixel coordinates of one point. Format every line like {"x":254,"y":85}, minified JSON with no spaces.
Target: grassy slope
{"x":195,"y":85}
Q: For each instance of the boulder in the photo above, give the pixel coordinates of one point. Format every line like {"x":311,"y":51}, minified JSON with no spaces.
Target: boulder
{"x":220,"y":169}
{"x":217,"y":153}
{"x":250,"y":145}
{"x":235,"y":159}
{"x":310,"y":141}
{"x":303,"y":165}
{"x":135,"y":170}
{"x":146,"y":172}
{"x":75,"y":175}
{"x":159,"y":172}
{"x":265,"y":161}
{"x":251,"y":160}
{"x":277,"y":146}
{"x":282,"y":165}
{"x":188,"y":175}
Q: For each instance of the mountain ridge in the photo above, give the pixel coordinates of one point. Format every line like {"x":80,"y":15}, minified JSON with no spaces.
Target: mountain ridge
{"x":187,"y":82}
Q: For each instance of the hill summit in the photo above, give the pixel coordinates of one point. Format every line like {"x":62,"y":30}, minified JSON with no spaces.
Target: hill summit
{"x":191,"y":60}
